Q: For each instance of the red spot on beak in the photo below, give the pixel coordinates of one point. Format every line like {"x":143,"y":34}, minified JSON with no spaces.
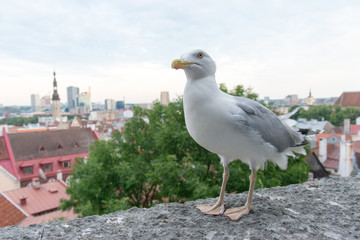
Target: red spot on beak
{"x":177,"y":66}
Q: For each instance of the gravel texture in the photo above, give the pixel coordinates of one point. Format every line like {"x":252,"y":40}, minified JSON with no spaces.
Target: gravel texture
{"x":326,"y":209}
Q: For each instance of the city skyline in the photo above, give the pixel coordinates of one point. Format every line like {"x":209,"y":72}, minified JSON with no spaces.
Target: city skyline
{"x":124,"y":49}
{"x":65,"y":99}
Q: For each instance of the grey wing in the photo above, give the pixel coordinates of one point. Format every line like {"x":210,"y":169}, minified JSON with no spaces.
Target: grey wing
{"x":253,"y":117}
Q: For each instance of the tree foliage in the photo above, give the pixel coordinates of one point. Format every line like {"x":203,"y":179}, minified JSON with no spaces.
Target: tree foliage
{"x":156,"y":160}
{"x":240,"y":90}
{"x":334,"y":114}
{"x":71,"y":117}
{"x":19,"y":121}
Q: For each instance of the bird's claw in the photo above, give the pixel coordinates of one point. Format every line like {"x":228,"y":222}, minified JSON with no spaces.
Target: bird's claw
{"x":212,"y":209}
{"x":236,"y":213}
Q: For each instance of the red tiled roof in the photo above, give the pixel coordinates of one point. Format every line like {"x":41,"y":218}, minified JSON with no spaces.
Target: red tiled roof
{"x":354,"y":129}
{"x":9,"y":213}
{"x":39,"y":200}
{"x":3,"y":152}
{"x":328,"y":135}
{"x":63,"y":215}
{"x":5,"y":161}
{"x":14,"y":129}
{"x":349,"y":99}
{"x":338,"y":130}
{"x":331,"y":163}
{"x":36,"y":145}
{"x":333,"y":151}
{"x":23,"y":130}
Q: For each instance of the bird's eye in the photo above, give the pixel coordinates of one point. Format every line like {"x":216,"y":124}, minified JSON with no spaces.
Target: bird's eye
{"x":200,"y":55}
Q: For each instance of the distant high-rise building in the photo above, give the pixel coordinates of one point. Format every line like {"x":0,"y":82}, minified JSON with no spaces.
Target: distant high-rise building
{"x":109,"y":104}
{"x":83,"y":102}
{"x":55,"y":101}
{"x":35,"y":103}
{"x":45,"y":102}
{"x":120,"y":104}
{"x":266,"y":100}
{"x":291,"y":98}
{"x":72,"y":93}
{"x":164,"y":98}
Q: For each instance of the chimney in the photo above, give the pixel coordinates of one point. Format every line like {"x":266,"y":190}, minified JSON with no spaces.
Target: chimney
{"x":358,"y":121}
{"x":322,"y":150}
{"x":347,"y":126}
{"x":59,"y":175}
{"x":345,"y":158}
{"x":36,"y":183}
{"x":23,"y":200}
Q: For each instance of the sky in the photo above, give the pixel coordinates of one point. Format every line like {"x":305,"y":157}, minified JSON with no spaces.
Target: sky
{"x":123,"y":49}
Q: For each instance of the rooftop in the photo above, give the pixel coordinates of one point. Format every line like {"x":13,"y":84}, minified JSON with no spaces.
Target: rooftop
{"x":348,"y":99}
{"x":35,"y":145}
{"x":56,"y":215}
{"x":37,"y":200}
{"x":13,"y":215}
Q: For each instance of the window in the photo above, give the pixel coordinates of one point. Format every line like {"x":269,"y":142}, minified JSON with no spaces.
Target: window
{"x":66,"y":164}
{"x":28,"y":170}
{"x":47,"y":167}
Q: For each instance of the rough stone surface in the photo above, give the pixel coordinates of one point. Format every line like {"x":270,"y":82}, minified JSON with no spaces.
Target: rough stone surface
{"x":326,"y":209}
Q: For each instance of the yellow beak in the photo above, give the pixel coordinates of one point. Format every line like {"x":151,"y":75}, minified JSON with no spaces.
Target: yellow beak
{"x":180,"y":63}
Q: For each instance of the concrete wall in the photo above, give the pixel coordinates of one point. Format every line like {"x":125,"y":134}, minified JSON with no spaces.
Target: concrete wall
{"x":325,"y":209}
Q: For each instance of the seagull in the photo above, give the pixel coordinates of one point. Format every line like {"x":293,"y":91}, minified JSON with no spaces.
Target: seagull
{"x":232,"y":127}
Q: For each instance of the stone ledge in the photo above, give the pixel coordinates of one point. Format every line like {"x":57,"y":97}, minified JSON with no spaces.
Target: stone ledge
{"x":326,"y":209}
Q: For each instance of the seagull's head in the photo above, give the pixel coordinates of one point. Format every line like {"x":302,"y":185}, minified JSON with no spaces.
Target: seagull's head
{"x":196,"y":64}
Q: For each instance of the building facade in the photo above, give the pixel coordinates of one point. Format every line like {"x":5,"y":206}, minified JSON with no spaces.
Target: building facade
{"x":120,"y":104}
{"x":164,"y":98}
{"x":110,"y":104}
{"x":45,"y":102}
{"x":83,"y":102}
{"x":72,"y":93}
{"x":35,"y":103}
{"x":28,"y":155}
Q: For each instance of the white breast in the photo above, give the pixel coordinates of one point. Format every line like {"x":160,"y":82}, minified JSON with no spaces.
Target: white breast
{"x":207,"y":117}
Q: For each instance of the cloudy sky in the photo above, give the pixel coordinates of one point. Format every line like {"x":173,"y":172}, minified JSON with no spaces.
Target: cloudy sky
{"x":125,"y":48}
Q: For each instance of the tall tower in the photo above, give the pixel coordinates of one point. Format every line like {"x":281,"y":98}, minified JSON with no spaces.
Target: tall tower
{"x":164,"y":98}
{"x":310,"y":99}
{"x":55,"y":101}
{"x":35,"y":103}
{"x":72,"y":93}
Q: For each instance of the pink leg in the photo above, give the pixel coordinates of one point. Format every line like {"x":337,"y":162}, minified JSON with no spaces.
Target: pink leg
{"x":236,"y":213}
{"x":217,"y":208}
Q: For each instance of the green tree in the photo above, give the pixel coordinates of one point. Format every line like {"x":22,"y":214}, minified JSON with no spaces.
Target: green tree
{"x":335,"y":114}
{"x":240,"y":91}
{"x":352,"y":113}
{"x":71,"y":117}
{"x":156,"y":160}
{"x":19,"y":121}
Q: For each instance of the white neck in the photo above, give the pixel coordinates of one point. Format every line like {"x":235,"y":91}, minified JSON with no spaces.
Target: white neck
{"x":199,"y":90}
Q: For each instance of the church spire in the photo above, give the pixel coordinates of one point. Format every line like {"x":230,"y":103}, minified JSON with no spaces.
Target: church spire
{"x":55,"y":95}
{"x":55,"y":102}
